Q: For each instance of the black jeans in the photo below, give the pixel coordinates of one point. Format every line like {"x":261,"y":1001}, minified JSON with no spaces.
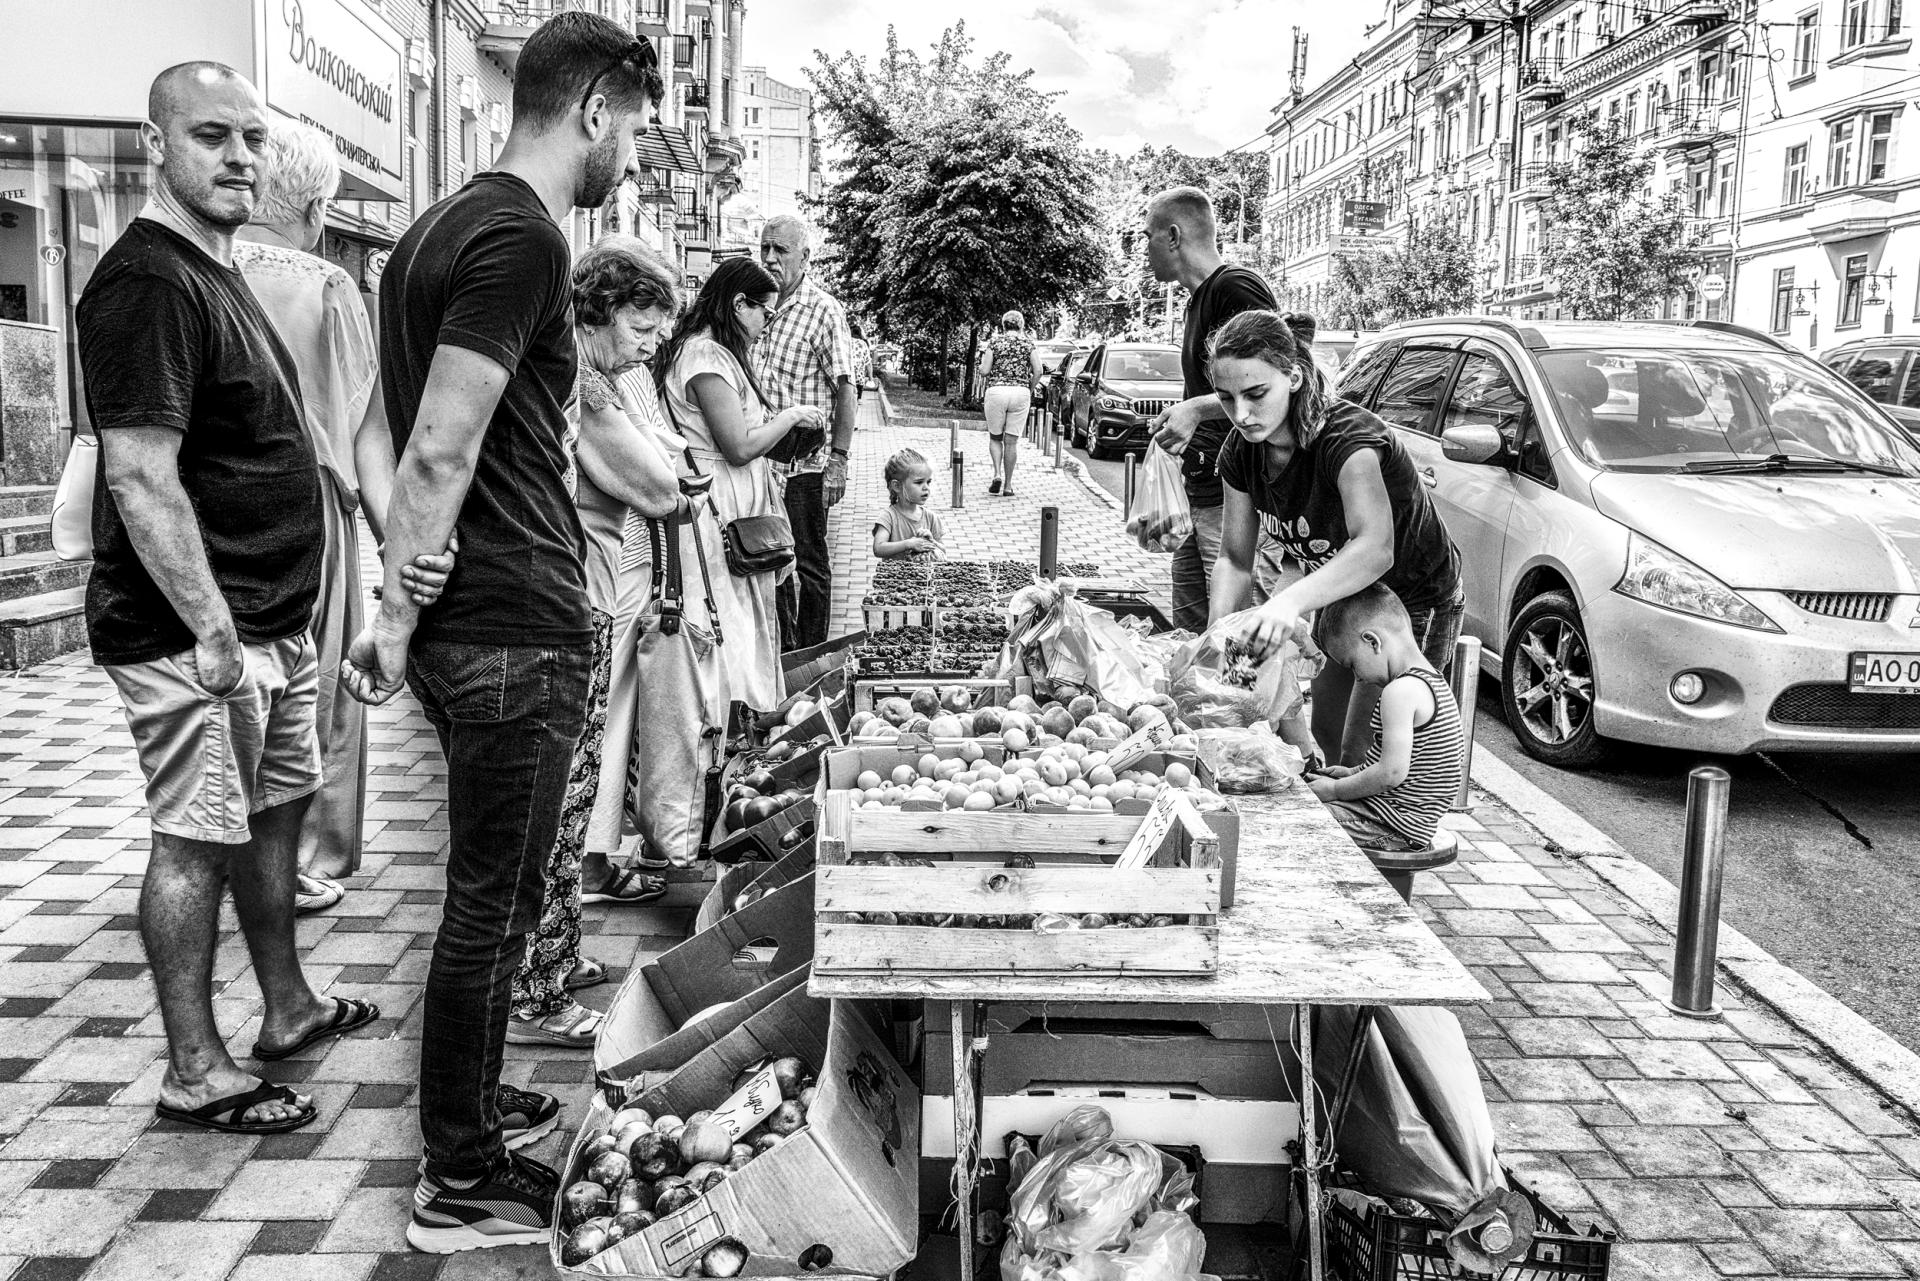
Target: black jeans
{"x":507,"y":717}
{"x":805,"y":598}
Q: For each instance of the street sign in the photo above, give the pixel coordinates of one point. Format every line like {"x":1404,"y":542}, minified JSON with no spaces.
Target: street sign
{"x":1364,"y":215}
{"x":1348,"y":244}
{"x":1714,"y":287}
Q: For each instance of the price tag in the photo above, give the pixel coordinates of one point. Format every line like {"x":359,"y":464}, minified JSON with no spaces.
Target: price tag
{"x":1154,"y":830}
{"x":751,"y":1104}
{"x":1133,"y":749}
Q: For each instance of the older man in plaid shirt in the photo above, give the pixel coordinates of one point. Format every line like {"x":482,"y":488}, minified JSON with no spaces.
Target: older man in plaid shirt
{"x":805,"y":357}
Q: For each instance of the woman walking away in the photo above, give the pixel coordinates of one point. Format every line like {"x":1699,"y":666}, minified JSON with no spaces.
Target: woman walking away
{"x":622,"y":300}
{"x":1346,"y":502}
{"x":715,"y":402}
{"x":1008,"y":366}
{"x":318,"y":315}
{"x":863,"y":378}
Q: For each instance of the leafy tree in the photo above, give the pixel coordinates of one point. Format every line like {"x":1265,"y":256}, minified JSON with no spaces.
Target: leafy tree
{"x":1432,"y":276}
{"x":1611,"y":252}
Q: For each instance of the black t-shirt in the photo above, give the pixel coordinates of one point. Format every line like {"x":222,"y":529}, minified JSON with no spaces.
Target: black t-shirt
{"x":1310,"y":519}
{"x":1229,"y":291}
{"x":486,"y":270}
{"x":171,"y":338}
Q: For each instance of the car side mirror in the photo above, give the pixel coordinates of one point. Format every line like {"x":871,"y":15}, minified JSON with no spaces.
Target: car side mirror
{"x":1472,"y":443}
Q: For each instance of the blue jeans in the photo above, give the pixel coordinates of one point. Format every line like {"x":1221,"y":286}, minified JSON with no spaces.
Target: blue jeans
{"x":805,"y":598}
{"x":507,"y":718}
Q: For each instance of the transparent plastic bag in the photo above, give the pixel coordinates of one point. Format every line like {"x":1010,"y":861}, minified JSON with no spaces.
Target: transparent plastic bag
{"x":1162,"y":518}
{"x":1215,"y":686}
{"x":1168,"y":1246}
{"x":1248,"y":761}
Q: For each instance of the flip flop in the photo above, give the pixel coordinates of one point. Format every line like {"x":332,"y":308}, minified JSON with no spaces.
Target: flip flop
{"x":234,"y":1107}
{"x":348,"y":1014}
{"x":586,"y":972}
{"x":620,"y":888}
{"x":316,"y":893}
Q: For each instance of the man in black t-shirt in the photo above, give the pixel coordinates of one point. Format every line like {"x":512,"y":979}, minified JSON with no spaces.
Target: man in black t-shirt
{"x":1183,"y":245}
{"x":207,"y":536}
{"x":477,"y":355}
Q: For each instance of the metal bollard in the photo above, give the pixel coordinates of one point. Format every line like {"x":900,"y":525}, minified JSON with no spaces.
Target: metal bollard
{"x":1466,"y":692}
{"x":1696,"y":950}
{"x":1056,"y":450}
{"x":1049,"y":542}
{"x":959,"y":465}
{"x":1126,"y":507}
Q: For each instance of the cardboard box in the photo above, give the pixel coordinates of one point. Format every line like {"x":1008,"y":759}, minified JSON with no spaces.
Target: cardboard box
{"x":849,"y":1180}
{"x":741,"y":876}
{"x":645,"y":1034}
{"x":802,"y":667}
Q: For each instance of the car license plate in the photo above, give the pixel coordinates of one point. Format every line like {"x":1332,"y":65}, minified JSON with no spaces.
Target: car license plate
{"x":1884,"y":673}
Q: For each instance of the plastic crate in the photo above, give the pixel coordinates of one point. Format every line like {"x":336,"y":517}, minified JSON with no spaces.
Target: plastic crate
{"x":1398,"y":1247}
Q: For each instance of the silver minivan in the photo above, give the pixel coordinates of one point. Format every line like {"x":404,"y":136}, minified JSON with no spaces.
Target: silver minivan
{"x":1682,"y":535}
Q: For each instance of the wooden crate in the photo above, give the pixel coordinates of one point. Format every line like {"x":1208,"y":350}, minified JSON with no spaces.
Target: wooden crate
{"x":869,"y":690}
{"x":1070,"y":875}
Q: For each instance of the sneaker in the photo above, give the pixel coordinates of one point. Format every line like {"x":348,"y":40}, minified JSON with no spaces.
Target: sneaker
{"x":511,"y":1206}
{"x":526,"y":1116}
{"x":573,"y":1026}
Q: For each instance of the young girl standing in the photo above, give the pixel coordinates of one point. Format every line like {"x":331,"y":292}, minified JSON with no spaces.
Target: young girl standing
{"x":907,"y":528}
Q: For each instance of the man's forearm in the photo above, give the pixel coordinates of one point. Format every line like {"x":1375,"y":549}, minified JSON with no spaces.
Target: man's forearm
{"x":427,"y":495}
{"x":846,"y":413}
{"x":165,"y":534}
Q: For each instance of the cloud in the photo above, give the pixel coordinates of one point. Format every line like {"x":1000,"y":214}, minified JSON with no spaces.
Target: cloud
{"x":1204,"y":76}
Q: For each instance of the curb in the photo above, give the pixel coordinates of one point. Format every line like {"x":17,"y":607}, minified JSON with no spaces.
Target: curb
{"x":1883,"y":1063}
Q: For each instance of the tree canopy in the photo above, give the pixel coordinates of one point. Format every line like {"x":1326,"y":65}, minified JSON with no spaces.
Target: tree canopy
{"x":1610,"y":251}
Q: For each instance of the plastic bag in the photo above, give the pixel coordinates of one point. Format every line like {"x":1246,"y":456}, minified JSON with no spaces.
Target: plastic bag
{"x":1097,"y":1208}
{"x":1248,"y":761}
{"x":1214,"y":686}
{"x":1058,"y":638}
{"x":1162,"y":518}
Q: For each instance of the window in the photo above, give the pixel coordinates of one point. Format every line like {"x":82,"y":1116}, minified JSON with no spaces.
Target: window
{"x":1840,"y":154}
{"x":1910,"y":394}
{"x":1852,"y":291}
{"x":1700,"y":184}
{"x":1893,"y":18}
{"x":1806,"y":43}
{"x":1412,"y":391}
{"x":1853,"y":24}
{"x":1357,"y":380}
{"x":1484,"y":396}
{"x":1782,"y":300}
{"x":1877,"y":372}
{"x":1723,"y":195}
{"x":1879,"y":145}
{"x":1631,"y":115}
{"x":1709,"y":78}
{"x":1794,"y":189}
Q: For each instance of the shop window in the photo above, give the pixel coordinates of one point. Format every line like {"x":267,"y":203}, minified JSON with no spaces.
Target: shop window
{"x":1806,"y":43}
{"x":1794,"y":190}
{"x":1852,"y":292}
{"x":1782,"y":300}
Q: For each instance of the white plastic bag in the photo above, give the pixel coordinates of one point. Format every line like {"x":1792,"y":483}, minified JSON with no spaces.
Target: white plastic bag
{"x":1161,"y":518}
{"x":1213,"y":685}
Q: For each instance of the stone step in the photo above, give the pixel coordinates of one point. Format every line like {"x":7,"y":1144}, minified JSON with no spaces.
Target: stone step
{"x":24,"y":534}
{"x":31,"y":573}
{"x":35,"y":629}
{"x":26,"y":500}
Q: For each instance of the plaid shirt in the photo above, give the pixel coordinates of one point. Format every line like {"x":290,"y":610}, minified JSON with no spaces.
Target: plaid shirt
{"x":803,"y":353}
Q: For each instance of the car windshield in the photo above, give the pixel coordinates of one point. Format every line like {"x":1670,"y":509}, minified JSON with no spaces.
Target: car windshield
{"x":1143,"y":365}
{"x":1718,"y":411}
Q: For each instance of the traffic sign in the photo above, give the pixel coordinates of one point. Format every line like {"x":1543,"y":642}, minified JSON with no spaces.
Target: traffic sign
{"x":1364,"y":215}
{"x":1714,"y":287}
{"x":1348,"y":244}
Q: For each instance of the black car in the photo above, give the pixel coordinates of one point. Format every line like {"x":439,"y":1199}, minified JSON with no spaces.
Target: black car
{"x":1122,"y":387}
{"x":1052,"y":355}
{"x":1887,"y":369}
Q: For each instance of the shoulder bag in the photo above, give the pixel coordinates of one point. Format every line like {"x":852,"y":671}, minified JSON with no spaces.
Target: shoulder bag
{"x":753,"y":544}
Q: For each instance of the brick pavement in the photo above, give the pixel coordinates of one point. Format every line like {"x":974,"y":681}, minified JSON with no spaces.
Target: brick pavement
{"x":1724,"y":1149}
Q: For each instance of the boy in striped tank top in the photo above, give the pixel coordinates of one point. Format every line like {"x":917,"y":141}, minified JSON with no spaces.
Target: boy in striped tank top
{"x":1392,"y":803}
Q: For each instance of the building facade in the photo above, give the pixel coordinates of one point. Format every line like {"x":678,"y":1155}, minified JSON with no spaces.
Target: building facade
{"x":781,"y":171}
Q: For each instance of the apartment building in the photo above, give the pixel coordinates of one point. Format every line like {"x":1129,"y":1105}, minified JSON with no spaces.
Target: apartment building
{"x":781,"y":171}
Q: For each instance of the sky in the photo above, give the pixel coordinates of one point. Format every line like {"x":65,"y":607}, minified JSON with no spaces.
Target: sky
{"x":1200,"y":75}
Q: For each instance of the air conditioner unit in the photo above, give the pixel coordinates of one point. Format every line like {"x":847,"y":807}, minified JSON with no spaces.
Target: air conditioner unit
{"x":498,"y":119}
{"x":469,"y":96}
{"x":419,"y":63}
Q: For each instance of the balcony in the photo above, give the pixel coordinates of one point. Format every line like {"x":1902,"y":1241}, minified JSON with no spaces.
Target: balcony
{"x":1533,"y":181}
{"x":1700,"y":15}
{"x":1540,"y":82}
{"x":510,"y":22}
{"x":723,"y":153}
{"x":1691,"y":123}
{"x":698,"y":96}
{"x":652,"y":18}
{"x":684,"y":54}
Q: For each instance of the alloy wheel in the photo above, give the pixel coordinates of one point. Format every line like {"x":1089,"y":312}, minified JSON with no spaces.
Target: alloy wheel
{"x":1554,"y":694}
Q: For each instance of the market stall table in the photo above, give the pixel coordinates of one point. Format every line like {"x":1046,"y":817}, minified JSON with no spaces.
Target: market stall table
{"x":1313,"y":923}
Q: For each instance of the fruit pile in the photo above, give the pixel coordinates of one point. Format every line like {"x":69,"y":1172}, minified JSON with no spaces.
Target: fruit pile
{"x":1068,"y":776}
{"x":1023,"y":723}
{"x":961,"y":647}
{"x":644,"y":1168}
{"x":755,"y":797}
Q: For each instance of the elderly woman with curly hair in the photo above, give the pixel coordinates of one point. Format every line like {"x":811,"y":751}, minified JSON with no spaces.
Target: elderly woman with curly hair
{"x":623,"y":300}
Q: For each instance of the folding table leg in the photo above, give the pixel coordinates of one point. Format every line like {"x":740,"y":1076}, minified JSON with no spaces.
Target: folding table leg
{"x":967,"y":1075}
{"x":1310,"y":1148}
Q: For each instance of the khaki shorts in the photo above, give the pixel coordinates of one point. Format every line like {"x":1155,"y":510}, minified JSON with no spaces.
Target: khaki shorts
{"x":212,"y":762}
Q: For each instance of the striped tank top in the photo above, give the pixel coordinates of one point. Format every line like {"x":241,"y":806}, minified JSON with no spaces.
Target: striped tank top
{"x":1413,"y":809}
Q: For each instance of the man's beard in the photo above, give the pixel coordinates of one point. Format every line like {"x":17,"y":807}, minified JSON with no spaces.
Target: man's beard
{"x":204,"y":203}
{"x":605,"y":169}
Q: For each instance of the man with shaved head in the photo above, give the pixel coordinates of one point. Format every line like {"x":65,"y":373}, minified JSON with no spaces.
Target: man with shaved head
{"x":207,"y":532}
{"x":1183,"y":245}
{"x":805,"y":357}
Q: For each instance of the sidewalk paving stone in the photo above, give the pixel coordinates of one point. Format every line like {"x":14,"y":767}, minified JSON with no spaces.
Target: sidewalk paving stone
{"x":1718,"y":1149}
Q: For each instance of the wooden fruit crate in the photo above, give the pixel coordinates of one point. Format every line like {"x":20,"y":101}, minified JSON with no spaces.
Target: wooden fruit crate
{"x":880,"y":618}
{"x":869,"y":690}
{"x":1181,"y":877}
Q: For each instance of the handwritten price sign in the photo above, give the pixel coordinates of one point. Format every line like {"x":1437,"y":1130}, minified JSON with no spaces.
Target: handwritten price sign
{"x":748,"y":1106}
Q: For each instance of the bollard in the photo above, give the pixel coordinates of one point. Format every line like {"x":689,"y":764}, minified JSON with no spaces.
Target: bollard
{"x":1696,"y":949}
{"x":1466,"y":692}
{"x":1049,"y":542}
{"x":1126,"y":507}
{"x":959,"y":465}
{"x":1056,"y":450}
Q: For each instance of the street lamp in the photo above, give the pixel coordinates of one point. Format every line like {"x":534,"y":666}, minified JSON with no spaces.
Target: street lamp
{"x":1874,"y":298}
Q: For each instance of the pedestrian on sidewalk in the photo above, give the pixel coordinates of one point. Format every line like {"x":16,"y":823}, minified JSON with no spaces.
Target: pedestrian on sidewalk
{"x":1183,"y":245}
{"x":478,"y":363}
{"x":715,"y":400}
{"x":207,"y":557}
{"x":318,"y":314}
{"x":1391,"y":802}
{"x":1349,"y":505}
{"x":623,"y":299}
{"x":1009,"y":366}
{"x":862,"y":362}
{"x":804,"y":357}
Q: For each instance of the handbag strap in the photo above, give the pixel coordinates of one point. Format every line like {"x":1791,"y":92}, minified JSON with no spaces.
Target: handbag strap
{"x":706,"y":578}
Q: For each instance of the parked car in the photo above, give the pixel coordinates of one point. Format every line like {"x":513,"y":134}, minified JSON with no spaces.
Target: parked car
{"x":1887,"y":370}
{"x":1051,"y":354}
{"x":1683,"y":535}
{"x":1332,"y":350}
{"x":1060,"y":387}
{"x":1119,"y":391}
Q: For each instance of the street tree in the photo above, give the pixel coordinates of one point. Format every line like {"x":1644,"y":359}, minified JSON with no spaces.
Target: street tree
{"x":1610,"y":251}
{"x":1432,"y":276}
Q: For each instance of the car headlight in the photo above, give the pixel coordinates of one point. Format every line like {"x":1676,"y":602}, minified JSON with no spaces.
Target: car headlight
{"x":1659,"y":577}
{"x":1114,"y":402}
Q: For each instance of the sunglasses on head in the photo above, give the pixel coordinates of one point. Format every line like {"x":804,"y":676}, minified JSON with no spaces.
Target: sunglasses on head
{"x":643,"y":50}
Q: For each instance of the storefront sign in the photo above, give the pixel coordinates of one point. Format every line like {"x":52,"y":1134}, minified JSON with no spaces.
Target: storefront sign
{"x":338,"y":66}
